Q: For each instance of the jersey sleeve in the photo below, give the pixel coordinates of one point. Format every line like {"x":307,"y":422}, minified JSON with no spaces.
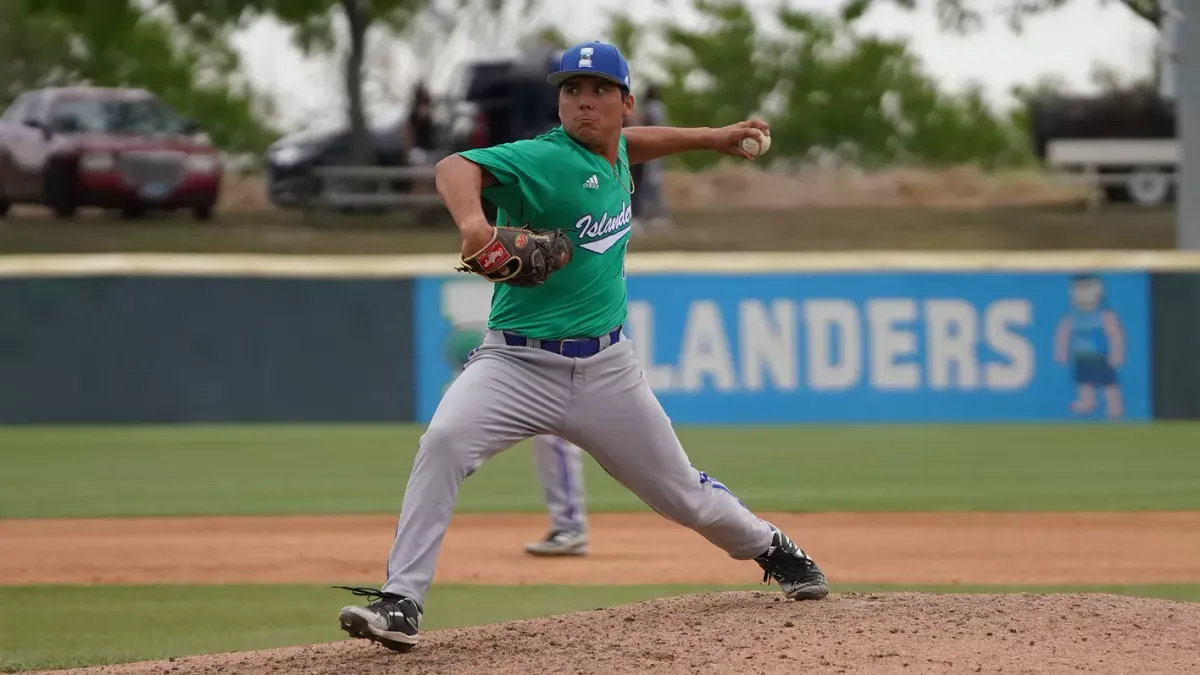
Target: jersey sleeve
{"x":523,"y":171}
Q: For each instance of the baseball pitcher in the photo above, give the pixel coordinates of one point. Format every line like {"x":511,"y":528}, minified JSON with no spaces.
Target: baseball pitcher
{"x":555,"y":360}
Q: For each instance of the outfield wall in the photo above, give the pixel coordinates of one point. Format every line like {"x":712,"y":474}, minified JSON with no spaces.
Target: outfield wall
{"x":762,"y":339}
{"x":144,"y":349}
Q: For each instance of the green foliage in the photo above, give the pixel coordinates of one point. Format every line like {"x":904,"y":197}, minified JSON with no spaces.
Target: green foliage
{"x":827,"y":88}
{"x":718,"y":76}
{"x":313,"y":20}
{"x":550,"y":36}
{"x":315,"y":23}
{"x":624,"y":33}
{"x":285,"y":469}
{"x":964,"y":16}
{"x":59,"y":42}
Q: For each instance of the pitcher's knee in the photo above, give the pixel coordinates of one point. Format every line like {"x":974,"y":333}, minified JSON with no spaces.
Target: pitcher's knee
{"x":449,"y":447}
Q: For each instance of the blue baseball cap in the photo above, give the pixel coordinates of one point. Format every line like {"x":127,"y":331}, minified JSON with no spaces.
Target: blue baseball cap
{"x":596,"y":59}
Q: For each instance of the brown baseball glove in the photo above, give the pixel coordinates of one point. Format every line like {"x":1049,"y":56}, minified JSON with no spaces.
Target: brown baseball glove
{"x":520,"y":256}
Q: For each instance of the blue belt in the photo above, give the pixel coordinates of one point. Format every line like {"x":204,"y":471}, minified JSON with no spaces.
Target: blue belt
{"x":576,"y":349}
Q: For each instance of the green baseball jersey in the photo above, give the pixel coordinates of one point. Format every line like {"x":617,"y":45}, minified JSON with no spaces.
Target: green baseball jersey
{"x":552,"y":182}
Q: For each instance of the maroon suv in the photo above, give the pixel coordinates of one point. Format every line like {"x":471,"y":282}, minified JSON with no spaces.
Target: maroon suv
{"x":122,"y":149}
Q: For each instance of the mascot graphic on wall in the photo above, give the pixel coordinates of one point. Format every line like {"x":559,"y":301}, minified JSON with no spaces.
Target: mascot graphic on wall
{"x":1091,"y":342}
{"x":465,"y":306}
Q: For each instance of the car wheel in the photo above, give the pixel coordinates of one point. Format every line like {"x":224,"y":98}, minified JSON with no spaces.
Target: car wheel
{"x":133,"y":212}
{"x":203,"y":212}
{"x":1149,"y":187}
{"x":59,"y":191}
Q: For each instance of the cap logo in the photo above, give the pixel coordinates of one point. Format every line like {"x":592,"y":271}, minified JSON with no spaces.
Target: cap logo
{"x":585,"y":57}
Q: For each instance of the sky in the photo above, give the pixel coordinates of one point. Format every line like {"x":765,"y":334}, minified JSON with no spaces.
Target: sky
{"x":1068,"y":43}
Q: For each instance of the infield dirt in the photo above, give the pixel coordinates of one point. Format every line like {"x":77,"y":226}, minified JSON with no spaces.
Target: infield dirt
{"x":744,"y":632}
{"x":626,"y":548}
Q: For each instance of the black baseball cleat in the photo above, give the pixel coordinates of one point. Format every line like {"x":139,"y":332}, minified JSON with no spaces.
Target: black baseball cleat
{"x":391,"y":621}
{"x":797,"y":574}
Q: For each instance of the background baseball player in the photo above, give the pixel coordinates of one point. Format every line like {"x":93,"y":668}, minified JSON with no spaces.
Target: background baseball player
{"x":560,"y":469}
{"x":559,"y":465}
{"x":555,"y":359}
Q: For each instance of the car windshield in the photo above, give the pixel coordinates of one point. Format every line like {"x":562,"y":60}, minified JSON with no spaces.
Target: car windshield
{"x":125,"y":116}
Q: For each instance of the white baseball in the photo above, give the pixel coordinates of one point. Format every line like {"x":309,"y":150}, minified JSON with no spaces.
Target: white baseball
{"x":750,"y":145}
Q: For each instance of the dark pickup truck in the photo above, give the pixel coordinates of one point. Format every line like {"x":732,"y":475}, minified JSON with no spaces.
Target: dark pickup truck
{"x":494,"y":101}
{"x":120,"y":149}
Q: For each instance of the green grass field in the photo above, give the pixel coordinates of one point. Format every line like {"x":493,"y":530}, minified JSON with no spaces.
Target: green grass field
{"x":187,"y":470}
{"x":97,"y":471}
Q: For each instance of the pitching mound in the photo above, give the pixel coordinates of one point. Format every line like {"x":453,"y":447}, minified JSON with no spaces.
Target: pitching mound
{"x":762,"y":633}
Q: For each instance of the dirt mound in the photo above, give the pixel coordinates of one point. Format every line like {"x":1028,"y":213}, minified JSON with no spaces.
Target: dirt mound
{"x":761,"y":633}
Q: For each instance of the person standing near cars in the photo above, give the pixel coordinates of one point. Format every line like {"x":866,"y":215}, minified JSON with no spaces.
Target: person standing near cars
{"x":653,"y":202}
{"x":419,"y":138}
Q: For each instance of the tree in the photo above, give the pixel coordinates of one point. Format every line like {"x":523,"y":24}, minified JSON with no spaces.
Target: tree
{"x":34,"y":50}
{"x":314,"y":23}
{"x":61,"y":42}
{"x":450,"y":33}
{"x":965,"y":15}
{"x":318,"y":23}
{"x":826,"y":88}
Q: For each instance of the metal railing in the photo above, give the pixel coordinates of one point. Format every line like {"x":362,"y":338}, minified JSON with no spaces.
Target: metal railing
{"x":374,"y":187}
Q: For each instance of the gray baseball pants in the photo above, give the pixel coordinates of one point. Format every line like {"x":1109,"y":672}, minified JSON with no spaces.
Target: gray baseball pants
{"x":601,"y":403}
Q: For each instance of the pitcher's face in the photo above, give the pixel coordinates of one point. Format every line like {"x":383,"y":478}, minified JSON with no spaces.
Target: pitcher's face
{"x":592,"y":109}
